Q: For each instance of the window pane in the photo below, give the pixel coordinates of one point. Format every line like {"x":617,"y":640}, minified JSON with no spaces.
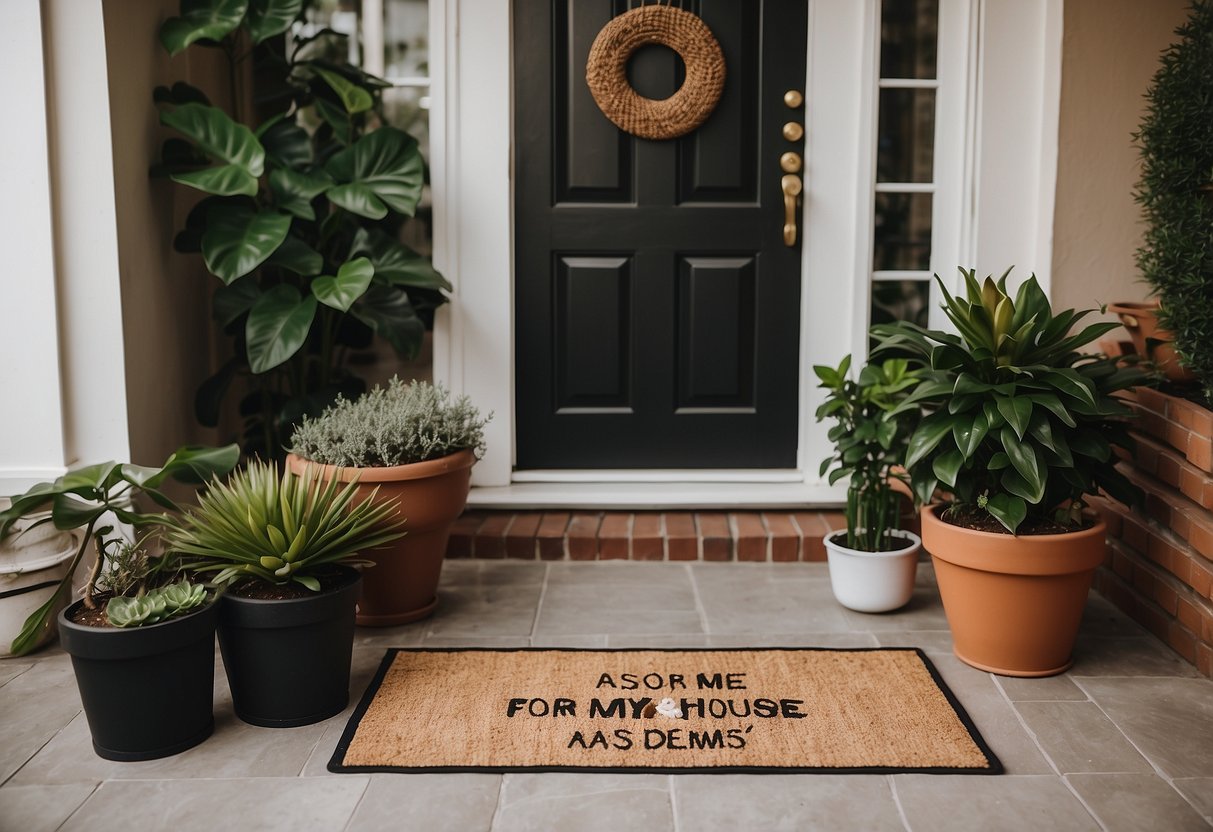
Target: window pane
{"x":905,"y":148}
{"x":901,"y":300}
{"x":907,"y":38}
{"x":903,"y":232}
{"x":406,"y":43}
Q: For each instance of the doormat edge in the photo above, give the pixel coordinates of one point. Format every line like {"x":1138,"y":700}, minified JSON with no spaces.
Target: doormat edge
{"x":336,"y":766}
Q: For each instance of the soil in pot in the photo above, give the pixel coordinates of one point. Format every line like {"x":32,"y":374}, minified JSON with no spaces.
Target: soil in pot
{"x":148,"y":692}
{"x":287,"y":656}
{"x":1014,"y":603}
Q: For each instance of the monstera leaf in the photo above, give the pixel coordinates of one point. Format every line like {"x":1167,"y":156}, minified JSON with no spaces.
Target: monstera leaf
{"x":294,"y":190}
{"x":351,"y":281}
{"x":382,"y":170}
{"x":239,"y":238}
{"x":267,"y":18}
{"x":396,"y":263}
{"x":277,"y":326}
{"x":387,"y":311}
{"x":353,"y":97}
{"x":219,"y":138}
{"x":201,"y":20}
{"x":296,"y":256}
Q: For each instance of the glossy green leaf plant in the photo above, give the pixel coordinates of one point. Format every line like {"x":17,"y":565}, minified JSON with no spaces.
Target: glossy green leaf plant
{"x":870,"y":434}
{"x":301,"y":215}
{"x":84,"y":500}
{"x":1017,"y":420}
{"x":281,"y":529}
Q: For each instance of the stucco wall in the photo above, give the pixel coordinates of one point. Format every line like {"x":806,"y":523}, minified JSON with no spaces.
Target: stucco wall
{"x":169,"y":338}
{"x":1110,"y":51}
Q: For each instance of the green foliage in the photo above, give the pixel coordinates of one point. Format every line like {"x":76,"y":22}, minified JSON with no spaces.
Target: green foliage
{"x":79,"y":499}
{"x":1017,"y":421}
{"x":156,"y":605}
{"x":280,"y":529}
{"x":1176,"y":192}
{"x":394,"y":425}
{"x":869,"y":435}
{"x":300,"y":217}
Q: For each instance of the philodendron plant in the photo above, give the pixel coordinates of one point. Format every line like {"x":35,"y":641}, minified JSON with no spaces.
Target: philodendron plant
{"x":869,"y":435}
{"x":300,"y":215}
{"x":1018,"y":422}
{"x":281,"y":529}
{"x":84,"y":498}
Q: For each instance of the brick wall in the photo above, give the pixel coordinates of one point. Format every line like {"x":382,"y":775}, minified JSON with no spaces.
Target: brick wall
{"x":1160,"y":559}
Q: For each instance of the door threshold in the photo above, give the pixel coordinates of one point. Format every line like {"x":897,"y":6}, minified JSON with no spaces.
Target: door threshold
{"x":657,"y":495}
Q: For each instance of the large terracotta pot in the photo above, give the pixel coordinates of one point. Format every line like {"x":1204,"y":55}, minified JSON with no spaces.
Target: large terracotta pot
{"x":1149,"y":340}
{"x":402,"y":585}
{"x":1014,"y":603}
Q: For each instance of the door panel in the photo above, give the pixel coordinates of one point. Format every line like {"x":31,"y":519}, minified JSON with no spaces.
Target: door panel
{"x":657,"y":308}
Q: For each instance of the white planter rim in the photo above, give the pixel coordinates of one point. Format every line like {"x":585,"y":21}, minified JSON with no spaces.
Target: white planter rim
{"x":912,"y":544}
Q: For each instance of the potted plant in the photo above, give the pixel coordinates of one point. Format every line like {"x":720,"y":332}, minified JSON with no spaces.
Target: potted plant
{"x":33,"y":562}
{"x":1019,"y":426}
{"x":1175,"y":192}
{"x":303,"y":198}
{"x":284,"y":548}
{"x":85,"y":500}
{"x":143,"y":651}
{"x":872,"y":562}
{"x":417,"y":446}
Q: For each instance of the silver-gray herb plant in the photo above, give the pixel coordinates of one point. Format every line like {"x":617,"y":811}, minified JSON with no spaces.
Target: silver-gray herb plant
{"x":394,"y":425}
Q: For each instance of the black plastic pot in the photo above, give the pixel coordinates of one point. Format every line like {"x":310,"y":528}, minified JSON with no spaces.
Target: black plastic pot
{"x":288,"y":662}
{"x":148,"y":692}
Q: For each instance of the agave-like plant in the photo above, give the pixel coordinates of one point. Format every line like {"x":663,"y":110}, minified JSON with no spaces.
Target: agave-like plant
{"x":280,"y":529}
{"x":1018,"y":421}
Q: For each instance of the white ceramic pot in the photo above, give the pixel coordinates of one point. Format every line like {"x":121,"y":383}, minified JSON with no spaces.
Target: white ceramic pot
{"x":872,"y":581}
{"x":32,"y":563}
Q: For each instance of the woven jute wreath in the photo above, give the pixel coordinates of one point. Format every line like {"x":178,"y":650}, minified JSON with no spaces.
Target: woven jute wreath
{"x":606,"y":72}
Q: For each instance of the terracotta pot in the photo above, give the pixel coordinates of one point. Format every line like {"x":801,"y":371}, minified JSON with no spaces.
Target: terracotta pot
{"x":1013,"y":603}
{"x":1149,"y":340}
{"x":402,"y":585}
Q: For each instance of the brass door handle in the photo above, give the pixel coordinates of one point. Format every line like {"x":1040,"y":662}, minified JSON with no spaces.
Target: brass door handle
{"x":792,"y":187}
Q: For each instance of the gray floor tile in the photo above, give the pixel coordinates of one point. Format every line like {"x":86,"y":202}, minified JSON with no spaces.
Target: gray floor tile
{"x":923,"y":612}
{"x":206,"y":805}
{"x":1169,"y":720}
{"x":617,"y":573}
{"x":406,"y":635}
{"x":1102,"y":618}
{"x":1048,"y":689}
{"x":1131,"y":802}
{"x":1199,"y":792}
{"x":674,"y":641}
{"x":740,"y":599}
{"x":1078,"y":737}
{"x":12,"y":668}
{"x":993,"y":715}
{"x":36,"y":705}
{"x":1141,"y":655}
{"x":930,"y":641}
{"x":578,"y":619}
{"x":427,"y":802}
{"x":557,"y":640}
{"x":855,"y":639}
{"x":503,"y":642}
{"x":584,"y":802}
{"x":773,"y":802}
{"x":492,"y":573}
{"x":40,"y":808}
{"x":957,"y":803}
{"x":485,"y":609}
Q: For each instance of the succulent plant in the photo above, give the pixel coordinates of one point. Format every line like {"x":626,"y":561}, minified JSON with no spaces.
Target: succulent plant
{"x":1016,"y":420}
{"x":280,"y":529}
{"x":156,"y":605}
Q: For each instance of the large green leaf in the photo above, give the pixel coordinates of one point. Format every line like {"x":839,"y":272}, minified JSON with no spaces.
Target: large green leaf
{"x":387,"y":311}
{"x":1008,"y":510}
{"x":382,"y":170}
{"x":1017,"y":410}
{"x":294,"y":190}
{"x":209,"y":396}
{"x":947,"y":465}
{"x":231,"y":301}
{"x":340,"y":292}
{"x":297,"y":256}
{"x":286,"y":143}
{"x":218,"y":135}
{"x":199,"y":20}
{"x":278,"y":325}
{"x":353,"y":97}
{"x":1053,"y":404}
{"x":1024,"y":460}
{"x":189,"y":463}
{"x":396,"y":263}
{"x":225,"y":180}
{"x":238,"y":239}
{"x":267,"y":18}
{"x":1072,"y":384}
{"x":968,"y":433}
{"x":928,"y":435}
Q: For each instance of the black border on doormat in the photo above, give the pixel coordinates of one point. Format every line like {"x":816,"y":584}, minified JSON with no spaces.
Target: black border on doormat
{"x":335,"y":763}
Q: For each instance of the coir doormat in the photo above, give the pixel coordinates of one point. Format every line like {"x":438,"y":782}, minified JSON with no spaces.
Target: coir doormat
{"x":669,"y":711}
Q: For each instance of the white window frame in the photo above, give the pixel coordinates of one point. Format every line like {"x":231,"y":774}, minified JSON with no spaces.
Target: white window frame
{"x":995,"y":172}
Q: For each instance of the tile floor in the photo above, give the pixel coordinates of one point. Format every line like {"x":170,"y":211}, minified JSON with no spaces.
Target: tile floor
{"x":1124,"y":741}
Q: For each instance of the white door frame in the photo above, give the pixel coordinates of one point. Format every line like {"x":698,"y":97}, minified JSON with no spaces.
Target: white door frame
{"x":994,"y":163}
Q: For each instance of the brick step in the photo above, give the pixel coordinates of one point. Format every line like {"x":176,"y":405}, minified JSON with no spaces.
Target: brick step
{"x":1186,"y":427}
{"x":1174,"y":511}
{"x":756,"y":536}
{"x":1173,"y":469}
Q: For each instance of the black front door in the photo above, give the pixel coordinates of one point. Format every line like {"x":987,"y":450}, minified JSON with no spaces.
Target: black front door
{"x":657,"y":304}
